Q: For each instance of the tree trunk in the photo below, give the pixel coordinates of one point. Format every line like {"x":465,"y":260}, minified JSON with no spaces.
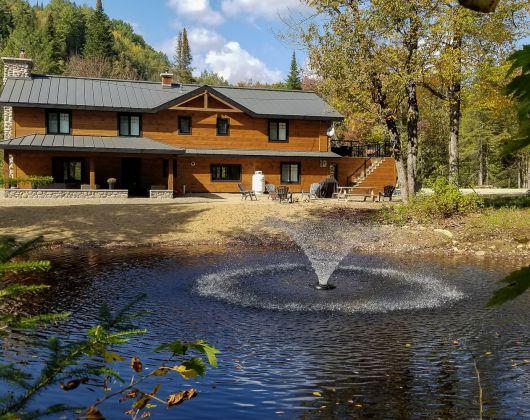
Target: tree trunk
{"x":527,"y":171}
{"x":413,"y":114}
{"x":454,"y":97}
{"x":483,"y":164}
{"x":380,"y":99}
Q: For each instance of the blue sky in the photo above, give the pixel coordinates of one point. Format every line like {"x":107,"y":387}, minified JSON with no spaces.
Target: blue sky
{"x":235,"y":38}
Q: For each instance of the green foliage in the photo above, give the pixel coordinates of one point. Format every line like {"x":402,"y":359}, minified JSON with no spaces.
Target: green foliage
{"x":182,"y":61}
{"x":519,"y":202}
{"x":34,"y":180}
{"x":61,"y":31}
{"x":446,"y":201}
{"x":87,"y":360}
{"x":99,"y":39}
{"x":212,"y":79}
{"x":294,"y":81}
{"x":517,"y":283}
{"x":519,"y":88}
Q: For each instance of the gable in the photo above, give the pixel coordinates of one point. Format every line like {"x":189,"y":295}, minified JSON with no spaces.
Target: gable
{"x":205,"y":101}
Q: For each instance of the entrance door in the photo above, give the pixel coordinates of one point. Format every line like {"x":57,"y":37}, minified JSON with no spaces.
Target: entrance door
{"x":131,"y":176}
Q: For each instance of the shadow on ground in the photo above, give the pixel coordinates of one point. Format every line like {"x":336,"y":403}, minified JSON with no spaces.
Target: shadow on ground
{"x":99,"y":223}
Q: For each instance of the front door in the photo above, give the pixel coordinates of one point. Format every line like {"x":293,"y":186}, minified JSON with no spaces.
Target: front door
{"x":131,"y":176}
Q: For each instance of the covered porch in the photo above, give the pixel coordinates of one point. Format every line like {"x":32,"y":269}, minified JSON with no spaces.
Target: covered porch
{"x":88,"y":166}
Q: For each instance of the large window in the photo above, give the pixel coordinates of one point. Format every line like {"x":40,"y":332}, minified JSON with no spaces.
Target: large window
{"x":226,"y":172}
{"x":58,"y":122}
{"x":290,"y":173}
{"x":129,"y":124}
{"x":184,"y":125}
{"x":278,"y":130}
{"x":223,"y":126}
{"x":68,"y":170}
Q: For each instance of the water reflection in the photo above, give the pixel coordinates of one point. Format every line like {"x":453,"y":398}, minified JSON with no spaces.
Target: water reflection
{"x":364,"y":364}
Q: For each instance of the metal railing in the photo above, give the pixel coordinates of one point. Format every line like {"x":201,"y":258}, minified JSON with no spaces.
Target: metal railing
{"x":354,"y":148}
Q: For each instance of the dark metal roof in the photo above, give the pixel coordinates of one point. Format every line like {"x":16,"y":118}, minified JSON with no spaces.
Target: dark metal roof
{"x":66,"y":143}
{"x":261,"y":153}
{"x":138,"y":96}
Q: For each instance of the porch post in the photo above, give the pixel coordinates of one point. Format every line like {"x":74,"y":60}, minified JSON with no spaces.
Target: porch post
{"x":92,"y":169}
{"x":170,"y":176}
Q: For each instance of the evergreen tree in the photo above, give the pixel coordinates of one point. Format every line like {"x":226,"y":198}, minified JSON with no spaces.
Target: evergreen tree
{"x":182,"y":67}
{"x":293,"y":80}
{"x":99,"y":38}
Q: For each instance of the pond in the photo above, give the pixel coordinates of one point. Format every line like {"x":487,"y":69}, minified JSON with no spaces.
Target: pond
{"x":396,"y":338}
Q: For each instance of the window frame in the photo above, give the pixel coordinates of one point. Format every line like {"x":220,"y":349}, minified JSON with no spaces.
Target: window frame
{"x":180,"y":118}
{"x":278,"y":121}
{"x":58,"y":112}
{"x":60,"y":161}
{"x":129,"y":115}
{"x":228,"y":165}
{"x":227,"y":126}
{"x":299,"y":164}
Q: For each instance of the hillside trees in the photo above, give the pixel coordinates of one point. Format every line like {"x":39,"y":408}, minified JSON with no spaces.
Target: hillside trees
{"x":182,"y":60}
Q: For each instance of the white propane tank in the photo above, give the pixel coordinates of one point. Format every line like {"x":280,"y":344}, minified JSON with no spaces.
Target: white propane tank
{"x":258,"y":182}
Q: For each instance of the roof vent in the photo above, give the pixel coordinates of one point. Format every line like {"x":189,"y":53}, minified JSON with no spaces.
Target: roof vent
{"x":167,"y":79}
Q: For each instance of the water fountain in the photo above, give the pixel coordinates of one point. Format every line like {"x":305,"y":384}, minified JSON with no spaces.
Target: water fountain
{"x":365,"y":284}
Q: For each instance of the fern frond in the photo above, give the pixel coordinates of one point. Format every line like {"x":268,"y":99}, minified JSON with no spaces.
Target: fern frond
{"x":24,"y":266}
{"x":14,"y":290}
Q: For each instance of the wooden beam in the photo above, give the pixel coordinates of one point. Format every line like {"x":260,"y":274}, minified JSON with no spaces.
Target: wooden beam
{"x":170,"y":176}
{"x":92,"y":169}
{"x":205,"y":100}
{"x":189,"y":108}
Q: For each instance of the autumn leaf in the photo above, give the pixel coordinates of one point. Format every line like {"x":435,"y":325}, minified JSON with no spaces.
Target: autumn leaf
{"x":136,"y":364}
{"x":145,"y":414}
{"x":93,"y":414}
{"x":73,"y":384}
{"x":317,"y":394}
{"x":144,"y":399}
{"x":185,"y":372}
{"x":112,"y":357}
{"x":133,"y":393}
{"x":180,"y":397}
{"x":161,"y":371}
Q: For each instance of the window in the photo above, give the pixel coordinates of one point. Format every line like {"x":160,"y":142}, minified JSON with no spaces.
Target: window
{"x":68,"y":170}
{"x":184,"y":125}
{"x":58,"y":122}
{"x":226,"y":172}
{"x":278,"y":130}
{"x":290,"y":173}
{"x":223,"y":126}
{"x":129,"y":124}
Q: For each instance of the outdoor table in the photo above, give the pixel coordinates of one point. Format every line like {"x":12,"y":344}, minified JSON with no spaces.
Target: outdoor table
{"x":349,"y":192}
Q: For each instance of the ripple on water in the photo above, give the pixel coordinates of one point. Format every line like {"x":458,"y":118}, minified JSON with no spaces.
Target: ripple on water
{"x":288,"y":287}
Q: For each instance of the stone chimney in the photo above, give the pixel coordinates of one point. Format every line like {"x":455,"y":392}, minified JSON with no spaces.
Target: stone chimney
{"x":167,"y":79}
{"x":14,"y":67}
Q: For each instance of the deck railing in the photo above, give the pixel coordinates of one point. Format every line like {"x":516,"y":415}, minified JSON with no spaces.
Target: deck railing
{"x":354,"y":148}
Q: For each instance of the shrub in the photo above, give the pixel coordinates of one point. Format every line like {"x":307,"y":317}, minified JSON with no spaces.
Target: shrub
{"x":445,"y":202}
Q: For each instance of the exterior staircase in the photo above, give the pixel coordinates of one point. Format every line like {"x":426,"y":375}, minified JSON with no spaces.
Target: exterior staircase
{"x":374,"y":172}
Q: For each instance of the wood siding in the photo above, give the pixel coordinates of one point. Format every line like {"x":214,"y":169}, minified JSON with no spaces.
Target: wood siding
{"x":245,"y":132}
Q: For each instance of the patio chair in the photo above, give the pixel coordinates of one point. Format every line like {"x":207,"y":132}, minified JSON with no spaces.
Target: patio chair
{"x":284,"y":195}
{"x":271,"y":189}
{"x":388,"y":191}
{"x":313,"y":192}
{"x":246,"y":194}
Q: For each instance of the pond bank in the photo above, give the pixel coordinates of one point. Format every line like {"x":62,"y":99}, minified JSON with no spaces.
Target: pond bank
{"x":225,"y":220}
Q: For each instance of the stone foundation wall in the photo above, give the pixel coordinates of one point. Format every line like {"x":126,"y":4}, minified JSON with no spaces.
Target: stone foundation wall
{"x":161,"y":194}
{"x":62,"y":194}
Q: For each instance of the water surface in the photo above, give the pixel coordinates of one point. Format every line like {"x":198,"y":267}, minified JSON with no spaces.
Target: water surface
{"x":281,"y":341}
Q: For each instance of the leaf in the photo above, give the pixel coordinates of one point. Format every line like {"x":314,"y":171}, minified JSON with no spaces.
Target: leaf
{"x":180,"y":397}
{"x":112,"y":357}
{"x":73,"y":384}
{"x":518,"y":282}
{"x":141,"y":402}
{"x":207,"y":349}
{"x":196,"y":364}
{"x":317,"y":394}
{"x":93,"y":414}
{"x":185,"y":372}
{"x":133,"y":393}
{"x":161,"y":371}
{"x":136,"y":364}
{"x":177,"y":347}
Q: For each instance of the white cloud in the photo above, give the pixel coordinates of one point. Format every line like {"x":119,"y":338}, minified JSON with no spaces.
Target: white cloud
{"x":202,"y":40}
{"x":259,"y":9}
{"x":236,"y":64}
{"x":196,"y":10}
